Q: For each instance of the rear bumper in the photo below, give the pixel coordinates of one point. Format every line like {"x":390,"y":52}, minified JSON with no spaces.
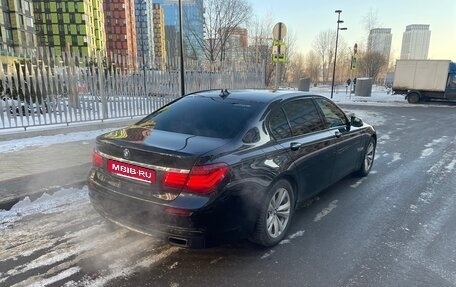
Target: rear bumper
{"x":204,"y":227}
{"x":140,"y":219}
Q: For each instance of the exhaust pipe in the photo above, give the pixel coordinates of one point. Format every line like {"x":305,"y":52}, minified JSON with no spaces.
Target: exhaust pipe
{"x":181,"y":242}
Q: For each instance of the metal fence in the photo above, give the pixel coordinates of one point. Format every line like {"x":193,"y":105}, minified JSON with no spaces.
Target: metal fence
{"x":40,"y":88}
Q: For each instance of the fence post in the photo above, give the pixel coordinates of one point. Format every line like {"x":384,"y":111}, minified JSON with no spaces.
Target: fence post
{"x":101,"y":83}
{"x":71,"y":84}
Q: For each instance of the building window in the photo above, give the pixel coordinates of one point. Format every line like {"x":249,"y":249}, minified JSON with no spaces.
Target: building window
{"x":6,"y":17}
{"x":23,"y":38}
{"x":21,"y":21}
{"x":9,"y":36}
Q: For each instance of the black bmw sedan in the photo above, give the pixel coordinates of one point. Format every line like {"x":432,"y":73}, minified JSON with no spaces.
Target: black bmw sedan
{"x":217,"y":165}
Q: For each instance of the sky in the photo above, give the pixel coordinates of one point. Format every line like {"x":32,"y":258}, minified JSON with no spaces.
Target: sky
{"x":307,"y":18}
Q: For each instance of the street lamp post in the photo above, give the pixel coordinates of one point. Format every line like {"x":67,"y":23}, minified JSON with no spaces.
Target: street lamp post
{"x":335,"y":52}
{"x":181,"y":51}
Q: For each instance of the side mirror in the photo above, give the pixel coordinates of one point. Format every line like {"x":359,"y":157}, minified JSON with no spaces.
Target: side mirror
{"x":356,"y":122}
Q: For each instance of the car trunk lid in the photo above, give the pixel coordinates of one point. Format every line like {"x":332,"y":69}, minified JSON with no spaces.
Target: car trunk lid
{"x":139,"y":167}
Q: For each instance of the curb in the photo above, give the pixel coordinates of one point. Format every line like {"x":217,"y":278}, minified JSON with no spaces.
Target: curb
{"x":34,"y":186}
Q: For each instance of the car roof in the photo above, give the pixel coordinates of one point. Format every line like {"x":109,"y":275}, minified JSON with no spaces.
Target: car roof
{"x":253,"y":95}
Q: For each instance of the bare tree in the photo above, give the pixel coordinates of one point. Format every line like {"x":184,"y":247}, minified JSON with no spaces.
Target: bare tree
{"x":221,"y":18}
{"x":324,"y":46}
{"x":312,"y":66}
{"x":290,"y":53}
{"x":343,"y":67}
{"x":371,"y":64}
{"x":296,"y":68}
{"x":260,"y":38}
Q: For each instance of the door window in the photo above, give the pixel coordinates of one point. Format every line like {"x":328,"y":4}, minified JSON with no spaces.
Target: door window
{"x":334,"y":117}
{"x":302,"y":116}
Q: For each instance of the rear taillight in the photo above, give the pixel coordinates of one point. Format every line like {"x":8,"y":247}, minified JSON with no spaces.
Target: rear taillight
{"x":175,"y":179}
{"x":201,"y":179}
{"x":97,"y":159}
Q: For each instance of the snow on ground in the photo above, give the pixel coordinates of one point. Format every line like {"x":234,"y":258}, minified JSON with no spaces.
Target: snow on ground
{"x":61,"y":236}
{"x":20,"y":144}
{"x":326,"y":211}
{"x":377,"y":96}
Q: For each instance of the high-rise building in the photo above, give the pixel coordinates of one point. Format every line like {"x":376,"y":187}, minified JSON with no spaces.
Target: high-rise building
{"x":193,"y":25}
{"x":379,"y":41}
{"x":159,"y":36}
{"x":415,"y":42}
{"x":16,"y":27}
{"x":144,"y":32}
{"x":120,"y":28}
{"x":75,"y":26}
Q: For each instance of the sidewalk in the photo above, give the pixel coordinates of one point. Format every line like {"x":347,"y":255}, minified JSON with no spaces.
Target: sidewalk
{"x":31,"y":171}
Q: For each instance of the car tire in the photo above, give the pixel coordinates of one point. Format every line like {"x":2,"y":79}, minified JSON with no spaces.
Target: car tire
{"x":275,"y":215}
{"x":368,"y":159}
{"x":413,"y":98}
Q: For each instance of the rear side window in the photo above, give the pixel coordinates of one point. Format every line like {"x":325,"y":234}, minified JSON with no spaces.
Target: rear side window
{"x":205,"y":116}
{"x":303,"y":116}
{"x":334,"y":117}
{"x":278,"y":124}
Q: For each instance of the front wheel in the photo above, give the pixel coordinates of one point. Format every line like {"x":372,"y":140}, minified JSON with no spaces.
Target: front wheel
{"x":413,"y":98}
{"x":274,"y":215}
{"x":368,"y":160}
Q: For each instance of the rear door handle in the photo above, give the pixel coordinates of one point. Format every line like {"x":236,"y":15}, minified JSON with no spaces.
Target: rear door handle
{"x":338,"y":134}
{"x":295,"y":146}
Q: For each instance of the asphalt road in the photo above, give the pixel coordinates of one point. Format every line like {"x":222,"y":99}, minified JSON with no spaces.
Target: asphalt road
{"x":392,"y":228}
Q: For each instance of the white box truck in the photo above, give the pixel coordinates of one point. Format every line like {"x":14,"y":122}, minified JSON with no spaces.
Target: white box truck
{"x":423,"y":80}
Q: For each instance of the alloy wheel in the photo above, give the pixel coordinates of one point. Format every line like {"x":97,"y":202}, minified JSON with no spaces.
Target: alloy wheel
{"x":279,"y":210}
{"x":369,"y":158}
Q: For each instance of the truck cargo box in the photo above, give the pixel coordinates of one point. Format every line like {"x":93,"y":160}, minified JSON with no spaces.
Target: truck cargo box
{"x":426,"y":75}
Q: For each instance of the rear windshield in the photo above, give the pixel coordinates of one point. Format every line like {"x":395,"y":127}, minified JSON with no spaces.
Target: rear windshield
{"x":205,"y":116}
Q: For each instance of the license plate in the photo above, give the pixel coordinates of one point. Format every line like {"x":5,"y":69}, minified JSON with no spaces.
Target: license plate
{"x":131,"y":171}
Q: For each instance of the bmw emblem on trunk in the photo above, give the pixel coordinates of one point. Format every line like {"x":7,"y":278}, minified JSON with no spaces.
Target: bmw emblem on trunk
{"x":126,"y":153}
